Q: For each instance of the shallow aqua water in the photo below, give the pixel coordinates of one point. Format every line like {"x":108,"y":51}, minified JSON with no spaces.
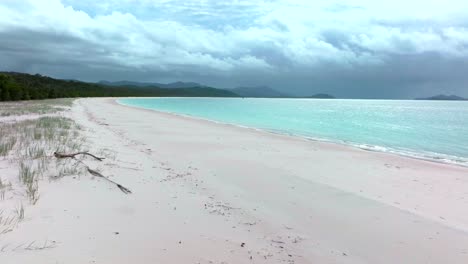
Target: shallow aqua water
{"x":436,"y":130}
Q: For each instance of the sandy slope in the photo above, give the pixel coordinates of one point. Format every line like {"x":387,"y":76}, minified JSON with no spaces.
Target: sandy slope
{"x":201,"y":190}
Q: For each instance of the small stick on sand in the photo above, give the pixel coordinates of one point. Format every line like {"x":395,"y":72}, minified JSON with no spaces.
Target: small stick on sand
{"x":97,"y":174}
{"x":91,"y":171}
{"x":73,"y":155}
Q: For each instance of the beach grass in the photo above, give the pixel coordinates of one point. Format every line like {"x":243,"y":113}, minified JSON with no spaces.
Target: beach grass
{"x":30,"y":132}
{"x":29,"y":178}
{"x":9,"y":221}
{"x":38,"y":107}
{"x":4,"y":187}
{"x":20,"y":212}
{"x":29,"y":142}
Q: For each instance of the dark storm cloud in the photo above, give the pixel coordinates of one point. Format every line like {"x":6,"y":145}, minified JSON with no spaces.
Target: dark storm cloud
{"x":400,"y":77}
{"x":28,"y":46}
{"x":297,"y":47}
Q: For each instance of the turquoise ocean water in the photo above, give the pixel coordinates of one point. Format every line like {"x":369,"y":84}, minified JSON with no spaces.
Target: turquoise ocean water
{"x":433,"y":130}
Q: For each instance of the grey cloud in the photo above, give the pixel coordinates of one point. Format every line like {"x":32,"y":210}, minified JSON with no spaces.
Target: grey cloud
{"x":242,"y":44}
{"x":210,"y":13}
{"x":278,"y":26}
{"x":47,"y":47}
{"x":406,"y":76}
{"x":341,"y":40}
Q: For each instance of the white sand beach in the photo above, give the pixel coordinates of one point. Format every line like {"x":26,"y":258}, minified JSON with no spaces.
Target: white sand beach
{"x":204,"y":192}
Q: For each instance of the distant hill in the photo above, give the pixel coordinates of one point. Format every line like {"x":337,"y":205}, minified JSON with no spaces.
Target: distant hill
{"x":146,"y":84}
{"x":267,"y":92}
{"x":321,"y":96}
{"x":444,"y":97}
{"x":254,"y":91}
{"x":259,"y":91}
{"x":16,"y":86}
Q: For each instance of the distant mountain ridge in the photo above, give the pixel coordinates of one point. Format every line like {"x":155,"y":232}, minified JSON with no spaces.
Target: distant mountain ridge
{"x":242,"y":91}
{"x":259,"y":91}
{"x":15,"y":86}
{"x":444,"y":97}
{"x":172,"y":85}
{"x":267,"y":92}
{"x":321,"y":96}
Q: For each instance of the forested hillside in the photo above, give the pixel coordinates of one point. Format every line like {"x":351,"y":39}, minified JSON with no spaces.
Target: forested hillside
{"x":20,"y":86}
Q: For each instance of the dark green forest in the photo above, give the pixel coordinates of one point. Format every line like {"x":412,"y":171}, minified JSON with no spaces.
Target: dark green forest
{"x":20,"y":86}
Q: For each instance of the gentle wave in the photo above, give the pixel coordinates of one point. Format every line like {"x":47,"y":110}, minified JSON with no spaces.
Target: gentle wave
{"x":427,"y":156}
{"x":285,"y":117}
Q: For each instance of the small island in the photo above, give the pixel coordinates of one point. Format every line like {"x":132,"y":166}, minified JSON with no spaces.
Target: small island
{"x":442,"y":97}
{"x":321,"y":96}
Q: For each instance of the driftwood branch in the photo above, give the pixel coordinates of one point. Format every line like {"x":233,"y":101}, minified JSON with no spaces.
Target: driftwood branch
{"x":91,"y":171}
{"x":97,"y":174}
{"x":73,"y":155}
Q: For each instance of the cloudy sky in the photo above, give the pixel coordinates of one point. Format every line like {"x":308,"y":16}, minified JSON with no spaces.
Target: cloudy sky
{"x":356,"y":48}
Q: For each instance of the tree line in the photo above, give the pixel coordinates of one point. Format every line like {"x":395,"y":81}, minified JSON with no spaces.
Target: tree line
{"x":20,"y":86}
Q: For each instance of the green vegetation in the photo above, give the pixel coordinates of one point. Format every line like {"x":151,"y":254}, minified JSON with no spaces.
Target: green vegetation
{"x":30,"y":144}
{"x":6,"y":144}
{"x":49,"y":106}
{"x":29,"y":178}
{"x":19,"y":86}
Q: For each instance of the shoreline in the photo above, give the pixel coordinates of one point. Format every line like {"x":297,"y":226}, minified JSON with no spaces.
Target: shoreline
{"x":382,"y":157}
{"x":352,"y":145}
{"x":205,"y":192}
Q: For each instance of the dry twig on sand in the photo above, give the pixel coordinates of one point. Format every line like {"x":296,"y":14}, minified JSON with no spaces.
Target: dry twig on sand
{"x":97,"y":174}
{"x":91,"y":171}
{"x":73,"y":155}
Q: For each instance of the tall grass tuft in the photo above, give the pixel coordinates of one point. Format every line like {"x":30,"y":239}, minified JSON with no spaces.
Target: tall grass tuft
{"x":6,"y":145}
{"x":39,"y":107}
{"x":31,"y":142}
{"x":29,"y":178}
{"x":20,"y":212}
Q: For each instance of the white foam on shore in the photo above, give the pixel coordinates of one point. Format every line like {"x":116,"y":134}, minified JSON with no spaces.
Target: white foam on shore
{"x":421,"y":155}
